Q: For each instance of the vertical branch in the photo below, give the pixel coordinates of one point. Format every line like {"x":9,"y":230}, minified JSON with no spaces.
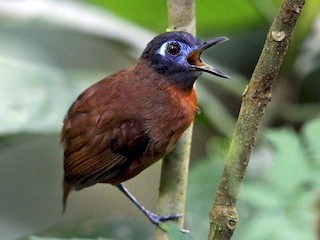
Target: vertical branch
{"x":181,"y":15}
{"x":223,"y":215}
{"x":174,"y":173}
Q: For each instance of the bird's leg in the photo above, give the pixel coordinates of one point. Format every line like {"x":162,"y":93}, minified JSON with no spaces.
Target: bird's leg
{"x":154,"y":218}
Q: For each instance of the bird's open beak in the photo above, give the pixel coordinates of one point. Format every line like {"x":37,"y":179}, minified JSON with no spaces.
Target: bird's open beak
{"x":194,"y":58}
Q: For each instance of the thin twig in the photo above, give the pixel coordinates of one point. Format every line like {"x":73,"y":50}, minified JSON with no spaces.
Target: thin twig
{"x":223,"y":215}
{"x":174,"y":173}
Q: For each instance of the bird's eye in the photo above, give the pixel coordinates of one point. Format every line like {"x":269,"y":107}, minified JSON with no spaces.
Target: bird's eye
{"x":173,"y":48}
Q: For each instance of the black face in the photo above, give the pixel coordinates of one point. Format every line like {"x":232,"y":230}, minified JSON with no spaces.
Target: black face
{"x":177,"y":55}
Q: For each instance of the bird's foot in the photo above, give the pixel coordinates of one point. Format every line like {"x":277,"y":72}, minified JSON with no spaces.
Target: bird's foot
{"x":154,"y":218}
{"x":157,"y":219}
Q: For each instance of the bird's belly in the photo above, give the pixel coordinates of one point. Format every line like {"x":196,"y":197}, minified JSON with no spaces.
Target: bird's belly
{"x":164,"y":126}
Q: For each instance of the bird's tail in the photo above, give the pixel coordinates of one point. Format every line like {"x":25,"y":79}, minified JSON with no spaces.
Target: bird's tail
{"x":66,"y":190}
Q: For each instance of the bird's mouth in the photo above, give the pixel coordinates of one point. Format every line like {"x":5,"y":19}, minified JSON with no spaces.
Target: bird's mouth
{"x":194,"y":58}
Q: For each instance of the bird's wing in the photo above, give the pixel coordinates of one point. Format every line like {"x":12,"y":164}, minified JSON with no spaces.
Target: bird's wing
{"x":99,"y":141}
{"x":92,"y":156}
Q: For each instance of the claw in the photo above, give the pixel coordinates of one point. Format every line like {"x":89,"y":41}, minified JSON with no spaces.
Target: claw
{"x":156,"y":219}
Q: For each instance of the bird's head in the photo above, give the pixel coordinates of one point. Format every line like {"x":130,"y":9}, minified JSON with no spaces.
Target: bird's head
{"x":177,"y":55}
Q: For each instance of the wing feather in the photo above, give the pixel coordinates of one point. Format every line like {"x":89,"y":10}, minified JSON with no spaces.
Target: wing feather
{"x":98,"y":144}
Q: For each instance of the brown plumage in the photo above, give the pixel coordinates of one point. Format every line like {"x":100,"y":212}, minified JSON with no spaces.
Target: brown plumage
{"x":128,"y":136}
{"x":126,"y":122}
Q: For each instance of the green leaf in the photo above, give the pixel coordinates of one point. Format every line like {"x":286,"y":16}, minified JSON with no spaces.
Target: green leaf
{"x":289,"y":169}
{"x":279,"y":205}
{"x":175,"y":233}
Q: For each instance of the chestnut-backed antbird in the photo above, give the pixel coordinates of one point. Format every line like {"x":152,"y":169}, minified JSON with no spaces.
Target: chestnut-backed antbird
{"x":126,"y":122}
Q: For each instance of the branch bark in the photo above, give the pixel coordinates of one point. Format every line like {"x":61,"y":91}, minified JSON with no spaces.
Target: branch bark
{"x":223,"y":215}
{"x":174,"y":172}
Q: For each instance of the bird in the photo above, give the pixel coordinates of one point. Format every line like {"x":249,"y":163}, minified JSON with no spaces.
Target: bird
{"x":129,"y":120}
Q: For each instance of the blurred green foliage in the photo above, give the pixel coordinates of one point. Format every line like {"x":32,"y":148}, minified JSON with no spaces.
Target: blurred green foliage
{"x":219,"y":14}
{"x":278,"y":198}
{"x":50,"y":55}
{"x":43,"y":238}
{"x":94,"y":228}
